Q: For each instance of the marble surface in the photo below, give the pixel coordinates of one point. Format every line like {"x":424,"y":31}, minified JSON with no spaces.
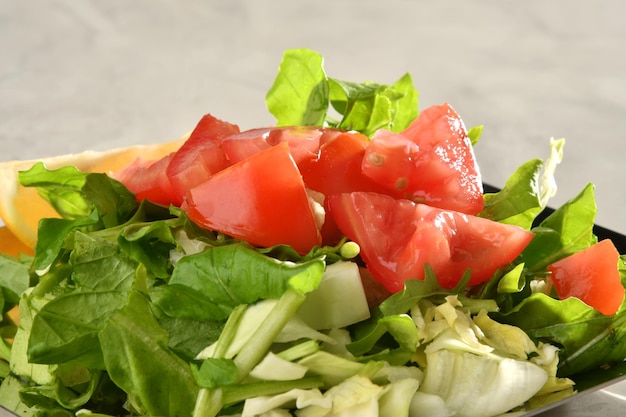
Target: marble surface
{"x":77,"y":75}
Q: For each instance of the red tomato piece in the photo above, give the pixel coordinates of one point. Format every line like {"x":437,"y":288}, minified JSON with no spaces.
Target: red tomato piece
{"x":592,"y":276}
{"x":261,"y":199}
{"x":398,"y":238}
{"x":375,"y":292}
{"x":432,"y":161}
{"x":303,"y":141}
{"x":337,"y":169}
{"x":479,"y":245}
{"x":148,"y":180}
{"x":200,"y":156}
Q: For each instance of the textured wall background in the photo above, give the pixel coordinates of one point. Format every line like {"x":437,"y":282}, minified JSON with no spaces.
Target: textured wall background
{"x":87,"y":74}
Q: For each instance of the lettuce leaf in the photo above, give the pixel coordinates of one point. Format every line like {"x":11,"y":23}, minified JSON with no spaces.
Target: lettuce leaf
{"x":567,"y":230}
{"x":164,"y":385}
{"x":587,"y":338}
{"x":302,"y":94}
{"x":299,"y":95}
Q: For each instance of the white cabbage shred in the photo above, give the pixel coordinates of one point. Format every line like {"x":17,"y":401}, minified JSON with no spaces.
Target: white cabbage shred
{"x":465,"y":366}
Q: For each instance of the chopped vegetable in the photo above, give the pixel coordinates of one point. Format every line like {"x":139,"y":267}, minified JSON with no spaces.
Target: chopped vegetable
{"x":345,"y":262}
{"x":591,"y":276}
{"x":432,"y":161}
{"x":398,"y":238}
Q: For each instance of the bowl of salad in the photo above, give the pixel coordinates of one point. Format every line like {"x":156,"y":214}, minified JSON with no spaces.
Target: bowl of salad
{"x":348,"y":260}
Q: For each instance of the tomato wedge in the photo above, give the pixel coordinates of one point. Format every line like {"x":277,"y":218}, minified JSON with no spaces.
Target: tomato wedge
{"x":304,"y":142}
{"x":432,"y":161}
{"x":148,"y":180}
{"x":261,"y":199}
{"x":398,"y":238}
{"x":200,"y":156}
{"x":337,"y":169}
{"x":592,"y":276}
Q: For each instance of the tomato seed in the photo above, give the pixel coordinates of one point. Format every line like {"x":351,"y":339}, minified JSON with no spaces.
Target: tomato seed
{"x":376,"y":159}
{"x":401,"y":183}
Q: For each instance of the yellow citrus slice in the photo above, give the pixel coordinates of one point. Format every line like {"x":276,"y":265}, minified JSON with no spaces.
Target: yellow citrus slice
{"x":21,"y":208}
{"x":11,"y":245}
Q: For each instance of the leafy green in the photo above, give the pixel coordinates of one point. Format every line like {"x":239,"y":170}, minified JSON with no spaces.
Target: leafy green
{"x":299,"y":95}
{"x":216,"y":372}
{"x":518,"y":201}
{"x":547,"y":183}
{"x":526,"y":192}
{"x":302,"y":94}
{"x":150,"y":243}
{"x":474,"y":134}
{"x":14,"y":280}
{"x":367,"y":107}
{"x":401,"y":327}
{"x":85,"y":201}
{"x":587,"y":337}
{"x":209,"y":284}
{"x":188,"y":337}
{"x":567,"y":230}
{"x":74,"y":194}
{"x":67,"y":327}
{"x":10,"y":390}
{"x":71,"y":390}
{"x":164,"y":385}
{"x":390,"y":318}
{"x":20,"y":365}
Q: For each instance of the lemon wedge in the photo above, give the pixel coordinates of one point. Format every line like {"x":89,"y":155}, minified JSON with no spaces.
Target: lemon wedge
{"x":21,"y":208}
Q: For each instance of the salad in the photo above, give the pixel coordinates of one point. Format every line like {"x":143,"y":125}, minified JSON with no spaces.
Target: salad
{"x":346,"y":261}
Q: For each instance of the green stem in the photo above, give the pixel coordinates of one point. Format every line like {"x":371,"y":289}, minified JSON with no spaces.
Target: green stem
{"x":208,"y":403}
{"x":260,"y":342}
{"x":5,"y":369}
{"x":228,"y":333}
{"x":49,"y":280}
{"x":5,"y":350}
{"x":236,"y":393}
{"x":300,"y":350}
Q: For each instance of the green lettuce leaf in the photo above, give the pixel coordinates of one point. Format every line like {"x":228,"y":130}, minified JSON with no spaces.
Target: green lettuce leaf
{"x":587,"y":337}
{"x":137,"y":358}
{"x":517,"y":202}
{"x":302,"y":94}
{"x":474,"y":134}
{"x":567,"y":230}
{"x":526,"y":192}
{"x":208,"y":285}
{"x":14,"y":280}
{"x":74,"y":194}
{"x":299,"y":95}
{"x":67,"y":327}
{"x":85,"y":201}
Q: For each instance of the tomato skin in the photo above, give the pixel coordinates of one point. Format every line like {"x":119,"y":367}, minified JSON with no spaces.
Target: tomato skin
{"x":432,"y":161}
{"x":261,"y":199}
{"x":148,"y":180}
{"x":476,"y":244}
{"x":375,"y":292}
{"x":337,"y":169}
{"x":398,"y":238}
{"x":363,"y":217}
{"x":304,"y":142}
{"x":200,"y":156}
{"x":329,"y":160}
{"x":592,"y":276}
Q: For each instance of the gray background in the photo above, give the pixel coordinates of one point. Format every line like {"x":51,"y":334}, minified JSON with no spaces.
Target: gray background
{"x":77,"y":75}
